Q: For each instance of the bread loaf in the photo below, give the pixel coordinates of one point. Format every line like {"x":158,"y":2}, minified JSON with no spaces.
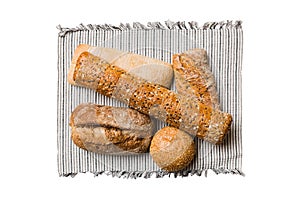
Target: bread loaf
{"x":193,"y":77}
{"x":187,"y":114}
{"x":172,"y":149}
{"x":152,"y":70}
{"x":110,"y":130}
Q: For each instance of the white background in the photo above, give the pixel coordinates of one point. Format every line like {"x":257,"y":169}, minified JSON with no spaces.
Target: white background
{"x":28,"y":80}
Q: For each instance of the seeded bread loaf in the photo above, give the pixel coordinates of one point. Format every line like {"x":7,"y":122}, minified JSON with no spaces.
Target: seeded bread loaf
{"x":193,"y":77}
{"x":110,"y":130}
{"x":172,"y":149}
{"x":152,"y":70}
{"x":187,"y":114}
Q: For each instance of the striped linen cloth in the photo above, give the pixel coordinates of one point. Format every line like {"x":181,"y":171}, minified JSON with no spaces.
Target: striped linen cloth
{"x":223,"y":42}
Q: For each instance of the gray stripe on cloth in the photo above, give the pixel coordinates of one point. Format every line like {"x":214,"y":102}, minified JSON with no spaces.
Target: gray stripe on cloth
{"x":224,"y":44}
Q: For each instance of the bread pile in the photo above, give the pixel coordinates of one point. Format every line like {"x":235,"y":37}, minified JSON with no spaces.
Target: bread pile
{"x":142,"y":83}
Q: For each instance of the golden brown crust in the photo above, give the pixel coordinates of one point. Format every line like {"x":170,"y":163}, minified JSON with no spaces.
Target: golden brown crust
{"x":88,"y":114}
{"x":111,"y":130}
{"x":89,"y":70}
{"x":104,"y":140}
{"x":173,"y":109}
{"x":193,"y":77}
{"x":218,"y":127}
{"x":80,"y":48}
{"x":153,"y":70}
{"x":187,"y":114}
{"x":77,"y":140}
{"x":172,"y":149}
{"x":163,"y":138}
{"x":225,"y":127}
{"x":108,"y":82}
{"x":182,"y":161}
{"x":128,"y":140}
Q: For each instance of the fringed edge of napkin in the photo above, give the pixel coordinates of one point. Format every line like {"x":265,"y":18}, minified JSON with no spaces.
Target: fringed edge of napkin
{"x":181,"y":25}
{"x":191,"y":25}
{"x":161,"y":174}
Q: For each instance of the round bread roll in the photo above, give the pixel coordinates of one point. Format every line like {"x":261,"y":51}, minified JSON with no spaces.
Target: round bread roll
{"x":172,"y":149}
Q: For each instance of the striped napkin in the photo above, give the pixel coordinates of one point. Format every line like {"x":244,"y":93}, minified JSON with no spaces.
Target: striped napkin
{"x":223,"y":42}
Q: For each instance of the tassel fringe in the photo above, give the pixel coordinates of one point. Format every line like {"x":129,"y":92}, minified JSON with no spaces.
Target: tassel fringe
{"x":192,"y":25}
{"x":161,"y":174}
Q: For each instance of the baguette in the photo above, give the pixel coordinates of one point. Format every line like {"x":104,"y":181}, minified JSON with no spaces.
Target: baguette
{"x":187,"y":114}
{"x":110,"y":130}
{"x":152,"y":70}
{"x":193,"y":77}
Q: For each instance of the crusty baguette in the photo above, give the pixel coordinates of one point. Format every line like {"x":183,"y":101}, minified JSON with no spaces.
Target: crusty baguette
{"x":172,"y":149}
{"x":187,"y":114}
{"x":152,"y":70}
{"x":110,"y":130}
{"x":193,"y":77}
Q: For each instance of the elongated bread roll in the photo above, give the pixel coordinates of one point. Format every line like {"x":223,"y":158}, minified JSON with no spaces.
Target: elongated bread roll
{"x":152,"y":70}
{"x":193,"y":77}
{"x":110,"y":130}
{"x":187,"y":114}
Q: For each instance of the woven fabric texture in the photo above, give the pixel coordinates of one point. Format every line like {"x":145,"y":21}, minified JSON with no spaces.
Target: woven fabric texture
{"x":223,"y":42}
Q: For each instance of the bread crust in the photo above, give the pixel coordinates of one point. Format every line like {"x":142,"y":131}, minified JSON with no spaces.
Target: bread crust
{"x":110,"y":130}
{"x":193,"y":77}
{"x":80,"y":48}
{"x":172,"y":149}
{"x":187,"y":114}
{"x":150,"y":69}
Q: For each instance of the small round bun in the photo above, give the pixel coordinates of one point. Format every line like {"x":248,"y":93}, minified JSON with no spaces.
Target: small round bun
{"x":172,"y":149}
